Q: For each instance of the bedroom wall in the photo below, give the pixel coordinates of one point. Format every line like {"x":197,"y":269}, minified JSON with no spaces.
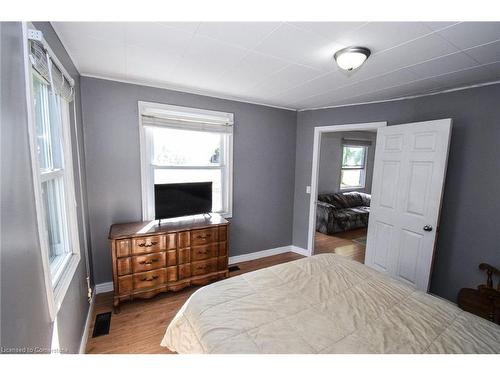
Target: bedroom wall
{"x":25,"y":317}
{"x":331,"y":158}
{"x":469,"y":231}
{"x":264,"y":165}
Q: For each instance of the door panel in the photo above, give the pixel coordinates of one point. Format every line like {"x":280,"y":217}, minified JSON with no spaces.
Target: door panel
{"x":420,"y":178}
{"x":408,"y":180}
{"x":410,"y":248}
{"x":389,"y":182}
{"x":381,"y":251}
{"x":393,"y":142}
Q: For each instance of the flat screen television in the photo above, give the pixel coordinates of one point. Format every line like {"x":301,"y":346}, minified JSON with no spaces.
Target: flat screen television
{"x":182,"y":199}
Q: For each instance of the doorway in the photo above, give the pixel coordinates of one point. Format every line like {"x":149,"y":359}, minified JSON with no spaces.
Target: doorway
{"x":341,"y":154}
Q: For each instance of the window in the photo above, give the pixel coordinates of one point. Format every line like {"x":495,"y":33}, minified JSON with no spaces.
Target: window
{"x":52,"y":170}
{"x":353,"y":172}
{"x":182,"y":144}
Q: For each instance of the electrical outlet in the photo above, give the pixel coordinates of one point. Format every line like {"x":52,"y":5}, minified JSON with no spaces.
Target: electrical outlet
{"x":308,"y":189}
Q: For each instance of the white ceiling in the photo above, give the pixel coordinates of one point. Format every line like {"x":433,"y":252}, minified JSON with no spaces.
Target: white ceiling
{"x":287,"y":64}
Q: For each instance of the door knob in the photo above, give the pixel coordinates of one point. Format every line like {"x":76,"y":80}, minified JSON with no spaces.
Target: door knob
{"x":428,"y":228}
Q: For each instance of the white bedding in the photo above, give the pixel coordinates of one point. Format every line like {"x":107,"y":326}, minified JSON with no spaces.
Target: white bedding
{"x":324,"y":304}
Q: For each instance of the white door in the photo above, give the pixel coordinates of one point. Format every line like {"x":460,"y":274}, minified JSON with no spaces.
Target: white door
{"x":408,"y":181}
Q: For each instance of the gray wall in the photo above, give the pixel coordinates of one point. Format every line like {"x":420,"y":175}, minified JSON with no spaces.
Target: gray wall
{"x":330,"y":160}
{"x":469,"y":230}
{"x":264,"y":162}
{"x":25,"y":318}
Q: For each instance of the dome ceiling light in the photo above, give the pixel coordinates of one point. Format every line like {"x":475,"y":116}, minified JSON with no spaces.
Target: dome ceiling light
{"x":351,"y":58}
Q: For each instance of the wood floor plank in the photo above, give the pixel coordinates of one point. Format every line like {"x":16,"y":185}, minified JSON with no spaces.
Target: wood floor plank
{"x":342,"y":244}
{"x":140,"y":325}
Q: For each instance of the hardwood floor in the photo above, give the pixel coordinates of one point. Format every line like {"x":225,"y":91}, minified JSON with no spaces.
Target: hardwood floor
{"x":140,"y":326}
{"x":342,"y":244}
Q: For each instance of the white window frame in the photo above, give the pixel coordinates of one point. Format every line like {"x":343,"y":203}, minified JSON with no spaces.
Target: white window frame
{"x":147,"y":168}
{"x":362,"y":168}
{"x":56,"y":285}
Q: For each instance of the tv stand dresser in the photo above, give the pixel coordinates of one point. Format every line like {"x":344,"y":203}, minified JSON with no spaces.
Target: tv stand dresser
{"x":149,"y":258}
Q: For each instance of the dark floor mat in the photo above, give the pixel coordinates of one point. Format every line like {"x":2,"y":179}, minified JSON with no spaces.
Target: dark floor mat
{"x":101,"y":325}
{"x":234,"y":268}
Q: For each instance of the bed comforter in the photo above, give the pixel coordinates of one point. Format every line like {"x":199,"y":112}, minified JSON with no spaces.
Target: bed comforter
{"x":324,"y":304}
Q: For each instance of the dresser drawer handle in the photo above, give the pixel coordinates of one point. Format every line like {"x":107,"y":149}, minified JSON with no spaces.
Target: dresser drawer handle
{"x":203,"y":237}
{"x":144,"y":244}
{"x":150,"y":279}
{"x":149,"y":261}
{"x":200,"y":252}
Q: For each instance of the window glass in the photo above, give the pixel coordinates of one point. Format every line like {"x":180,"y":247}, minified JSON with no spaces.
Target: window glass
{"x":53,"y":201}
{"x":353,"y":156}
{"x":177,"y":147}
{"x":48,"y":127}
{"x":351,"y":178}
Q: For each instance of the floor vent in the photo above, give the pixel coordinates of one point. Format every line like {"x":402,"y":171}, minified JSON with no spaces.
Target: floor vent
{"x":233,"y":268}
{"x":101,"y":325}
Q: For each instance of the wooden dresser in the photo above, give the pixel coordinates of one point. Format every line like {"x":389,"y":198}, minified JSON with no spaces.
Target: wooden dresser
{"x":149,"y":258}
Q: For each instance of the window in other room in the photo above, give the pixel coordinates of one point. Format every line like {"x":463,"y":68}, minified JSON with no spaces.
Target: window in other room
{"x":353,"y":171}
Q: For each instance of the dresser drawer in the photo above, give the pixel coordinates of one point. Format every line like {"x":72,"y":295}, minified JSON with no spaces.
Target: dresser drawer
{"x":222,"y":263}
{"x":171,"y":274}
{"x":204,"y":252}
{"x":125,"y":284}
{"x":184,"y":271}
{"x":149,"y":279}
{"x":223,"y":248}
{"x":141,"y":263}
{"x":223,"y":233}
{"x":123,"y":266}
{"x":171,"y":241}
{"x":204,"y":236}
{"x":171,"y":258}
{"x":203,"y":266}
{"x":122,"y":248}
{"x":184,"y":256}
{"x":150,"y":244}
{"x":184,"y":240}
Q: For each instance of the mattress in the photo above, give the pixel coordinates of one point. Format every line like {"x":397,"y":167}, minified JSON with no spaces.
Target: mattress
{"x":324,"y":304}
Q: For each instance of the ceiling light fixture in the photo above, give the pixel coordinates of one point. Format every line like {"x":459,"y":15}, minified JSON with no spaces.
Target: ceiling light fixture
{"x":351,"y":58}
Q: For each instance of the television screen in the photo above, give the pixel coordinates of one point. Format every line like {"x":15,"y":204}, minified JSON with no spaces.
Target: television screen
{"x":182,"y":199}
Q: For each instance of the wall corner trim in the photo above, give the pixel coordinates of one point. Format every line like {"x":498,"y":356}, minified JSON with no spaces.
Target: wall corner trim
{"x":85,"y":335}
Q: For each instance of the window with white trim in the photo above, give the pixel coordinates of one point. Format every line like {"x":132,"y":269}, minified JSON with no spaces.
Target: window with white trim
{"x":51,"y":91}
{"x":181,"y":144}
{"x":353,"y":171}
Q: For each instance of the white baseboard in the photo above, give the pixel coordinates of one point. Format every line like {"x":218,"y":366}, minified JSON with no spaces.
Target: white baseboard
{"x":104,"y":287}
{"x":108,"y":287}
{"x":300,"y":250}
{"x":267,"y":253}
{"x":90,"y":314}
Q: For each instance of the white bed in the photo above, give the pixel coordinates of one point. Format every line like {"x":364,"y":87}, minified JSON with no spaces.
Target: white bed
{"x":324,"y":304}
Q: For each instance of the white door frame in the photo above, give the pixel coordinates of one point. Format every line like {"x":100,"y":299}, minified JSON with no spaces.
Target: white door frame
{"x":318,"y":131}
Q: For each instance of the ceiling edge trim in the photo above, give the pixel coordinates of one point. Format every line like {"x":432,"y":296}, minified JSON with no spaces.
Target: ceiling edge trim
{"x":405,"y":97}
{"x":185,"y":90}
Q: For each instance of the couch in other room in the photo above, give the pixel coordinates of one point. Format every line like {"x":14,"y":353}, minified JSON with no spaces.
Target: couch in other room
{"x":339,"y":212}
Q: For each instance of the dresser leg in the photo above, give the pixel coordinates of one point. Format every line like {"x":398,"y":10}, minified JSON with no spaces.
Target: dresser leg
{"x":116,"y":306}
